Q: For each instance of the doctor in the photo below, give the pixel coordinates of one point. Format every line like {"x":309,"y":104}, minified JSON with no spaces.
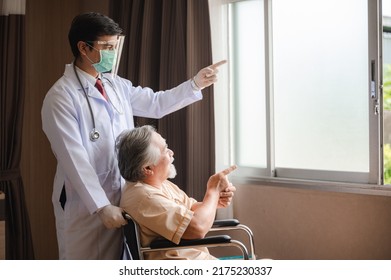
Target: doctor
{"x":82,"y":124}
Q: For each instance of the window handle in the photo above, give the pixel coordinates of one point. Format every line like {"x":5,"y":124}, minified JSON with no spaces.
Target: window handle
{"x":373,"y":82}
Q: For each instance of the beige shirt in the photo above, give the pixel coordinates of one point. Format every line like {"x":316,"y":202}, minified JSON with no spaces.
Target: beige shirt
{"x":161,"y":213}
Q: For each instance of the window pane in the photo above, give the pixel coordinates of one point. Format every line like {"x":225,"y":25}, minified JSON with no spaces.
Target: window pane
{"x":248,"y":76}
{"x":387,"y":89}
{"x":321,"y":84}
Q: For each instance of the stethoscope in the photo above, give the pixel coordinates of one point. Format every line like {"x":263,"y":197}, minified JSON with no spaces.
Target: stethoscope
{"x":94,"y":134}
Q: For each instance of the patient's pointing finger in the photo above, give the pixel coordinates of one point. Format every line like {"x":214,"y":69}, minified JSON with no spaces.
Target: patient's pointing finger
{"x":229,"y":170}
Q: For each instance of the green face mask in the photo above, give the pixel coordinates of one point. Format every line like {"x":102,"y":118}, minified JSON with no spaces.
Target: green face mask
{"x":107,"y":59}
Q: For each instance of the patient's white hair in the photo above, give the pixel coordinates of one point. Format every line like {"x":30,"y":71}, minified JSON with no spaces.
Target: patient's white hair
{"x":136,"y":151}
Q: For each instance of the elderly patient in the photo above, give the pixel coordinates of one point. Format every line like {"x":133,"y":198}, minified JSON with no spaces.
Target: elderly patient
{"x":159,"y":207}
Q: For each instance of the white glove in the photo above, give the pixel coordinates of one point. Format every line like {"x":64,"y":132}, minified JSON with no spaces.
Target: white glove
{"x":207,"y":76}
{"x":111,"y":216}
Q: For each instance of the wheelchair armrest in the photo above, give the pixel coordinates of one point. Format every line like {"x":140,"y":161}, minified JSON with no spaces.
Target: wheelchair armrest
{"x":164,"y":243}
{"x":226,"y":223}
{"x":234,"y":224}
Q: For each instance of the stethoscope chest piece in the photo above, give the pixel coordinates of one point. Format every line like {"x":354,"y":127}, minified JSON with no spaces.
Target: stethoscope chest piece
{"x":94,"y":135}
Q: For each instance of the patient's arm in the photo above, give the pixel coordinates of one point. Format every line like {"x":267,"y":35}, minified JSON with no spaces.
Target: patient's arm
{"x":205,"y":211}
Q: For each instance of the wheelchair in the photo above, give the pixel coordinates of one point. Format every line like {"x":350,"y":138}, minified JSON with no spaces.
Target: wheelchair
{"x":135,"y":251}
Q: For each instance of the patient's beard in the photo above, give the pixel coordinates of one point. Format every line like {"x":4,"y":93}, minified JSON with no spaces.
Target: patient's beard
{"x":172,"y":172}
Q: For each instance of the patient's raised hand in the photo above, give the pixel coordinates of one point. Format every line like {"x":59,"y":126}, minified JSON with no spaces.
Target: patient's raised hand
{"x":219,"y":181}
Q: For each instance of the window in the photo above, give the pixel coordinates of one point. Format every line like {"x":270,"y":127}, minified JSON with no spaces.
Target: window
{"x":249,"y":108}
{"x":387,"y":89}
{"x":303,"y":90}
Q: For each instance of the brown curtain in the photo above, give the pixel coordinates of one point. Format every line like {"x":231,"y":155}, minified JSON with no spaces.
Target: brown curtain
{"x":167,"y":42}
{"x":18,"y":234}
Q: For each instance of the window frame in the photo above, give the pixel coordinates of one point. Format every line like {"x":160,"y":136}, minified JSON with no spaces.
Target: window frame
{"x":371,"y":182}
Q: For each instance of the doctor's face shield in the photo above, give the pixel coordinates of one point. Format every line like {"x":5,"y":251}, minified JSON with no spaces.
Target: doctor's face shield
{"x":110,"y":54}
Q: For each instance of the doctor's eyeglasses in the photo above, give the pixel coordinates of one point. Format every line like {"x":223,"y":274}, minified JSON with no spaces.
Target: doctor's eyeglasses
{"x":106,"y":45}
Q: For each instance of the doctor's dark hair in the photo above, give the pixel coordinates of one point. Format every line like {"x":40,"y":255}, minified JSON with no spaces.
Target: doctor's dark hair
{"x":135,"y":151}
{"x":88,"y":27}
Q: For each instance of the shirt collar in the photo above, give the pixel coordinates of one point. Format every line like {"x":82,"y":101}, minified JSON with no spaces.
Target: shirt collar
{"x":87,"y":76}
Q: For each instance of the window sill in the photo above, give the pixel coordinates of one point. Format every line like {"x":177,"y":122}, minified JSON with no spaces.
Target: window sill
{"x":354,"y":188}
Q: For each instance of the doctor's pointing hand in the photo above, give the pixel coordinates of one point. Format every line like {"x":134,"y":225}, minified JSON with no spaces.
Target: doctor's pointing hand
{"x":208,"y":75}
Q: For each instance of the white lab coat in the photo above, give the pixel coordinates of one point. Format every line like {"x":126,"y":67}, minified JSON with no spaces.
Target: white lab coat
{"x":89,"y":169}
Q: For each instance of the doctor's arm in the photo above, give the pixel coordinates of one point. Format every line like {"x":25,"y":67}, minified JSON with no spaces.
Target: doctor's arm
{"x":147,"y":103}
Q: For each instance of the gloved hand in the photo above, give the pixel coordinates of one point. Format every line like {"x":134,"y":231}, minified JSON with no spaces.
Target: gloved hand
{"x":111,"y":216}
{"x":207,"y":76}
